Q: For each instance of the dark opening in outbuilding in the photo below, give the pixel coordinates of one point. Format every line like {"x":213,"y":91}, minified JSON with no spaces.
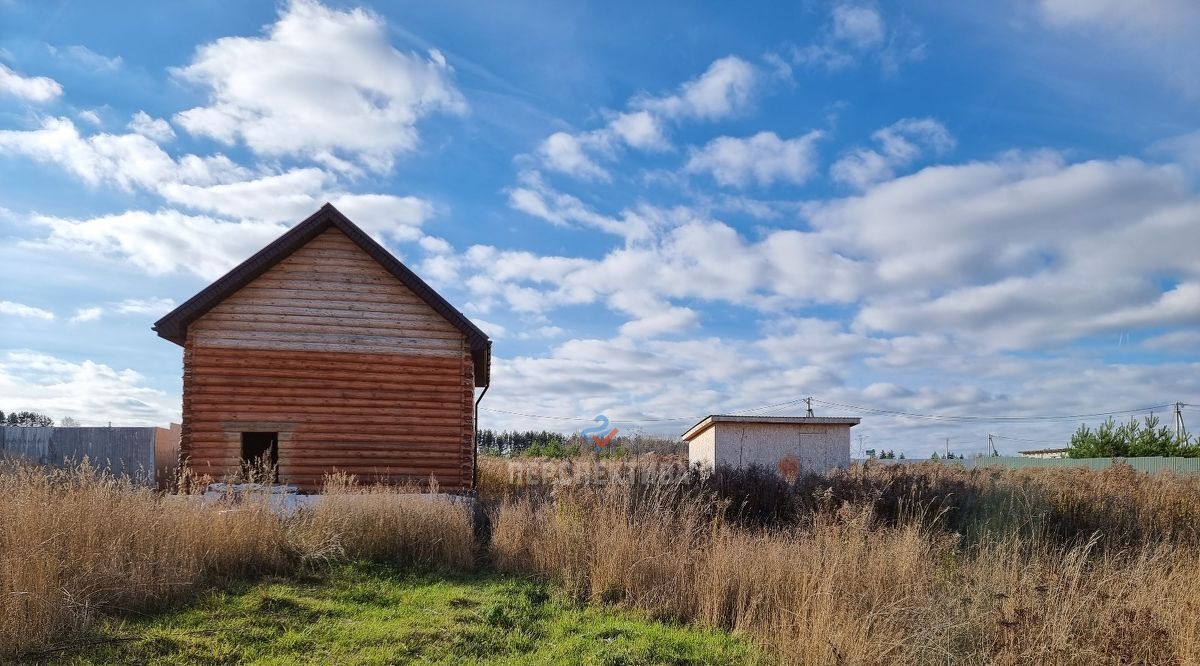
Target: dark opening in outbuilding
{"x":260,"y":451}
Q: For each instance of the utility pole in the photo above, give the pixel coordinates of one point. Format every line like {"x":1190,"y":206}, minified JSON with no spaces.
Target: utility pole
{"x":808,"y":401}
{"x":991,"y":446}
{"x":947,"y":447}
{"x":1179,"y":421}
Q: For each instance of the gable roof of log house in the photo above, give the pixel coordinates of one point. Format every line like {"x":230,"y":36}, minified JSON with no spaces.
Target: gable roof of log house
{"x":174,"y":325}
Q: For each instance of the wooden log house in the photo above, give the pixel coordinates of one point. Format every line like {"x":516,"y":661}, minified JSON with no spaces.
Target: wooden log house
{"x":325,"y":353}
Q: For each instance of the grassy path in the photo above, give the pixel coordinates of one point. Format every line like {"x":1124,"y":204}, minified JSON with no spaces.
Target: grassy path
{"x":374,"y":615}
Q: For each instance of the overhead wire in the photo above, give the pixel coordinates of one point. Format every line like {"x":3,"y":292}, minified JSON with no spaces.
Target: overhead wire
{"x":977,"y":419}
{"x":584,"y":419}
{"x":763,"y":410}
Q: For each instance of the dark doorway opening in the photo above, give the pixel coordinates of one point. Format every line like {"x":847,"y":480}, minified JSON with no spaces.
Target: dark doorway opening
{"x":260,"y":456}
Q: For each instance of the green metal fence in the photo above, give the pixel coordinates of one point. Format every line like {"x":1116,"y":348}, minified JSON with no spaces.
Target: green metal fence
{"x":1149,"y":465}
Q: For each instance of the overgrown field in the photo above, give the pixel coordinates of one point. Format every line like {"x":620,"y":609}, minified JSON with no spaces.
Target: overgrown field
{"x":74,"y":544}
{"x":881,"y":564}
{"x":875,"y":565}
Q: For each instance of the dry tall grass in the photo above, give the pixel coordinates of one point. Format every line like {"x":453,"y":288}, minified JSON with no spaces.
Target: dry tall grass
{"x":75,"y":543}
{"x":872,"y":566}
{"x":875,"y":565}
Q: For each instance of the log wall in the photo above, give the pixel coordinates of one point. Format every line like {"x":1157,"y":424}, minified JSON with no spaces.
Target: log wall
{"x":354,"y":371}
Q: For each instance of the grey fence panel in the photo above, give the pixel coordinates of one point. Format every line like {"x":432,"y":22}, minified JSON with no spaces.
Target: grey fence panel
{"x":120,"y":450}
{"x":1149,"y":465}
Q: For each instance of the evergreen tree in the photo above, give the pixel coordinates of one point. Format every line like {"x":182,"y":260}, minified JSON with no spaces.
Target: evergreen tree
{"x":28,"y":420}
{"x":1133,"y":438}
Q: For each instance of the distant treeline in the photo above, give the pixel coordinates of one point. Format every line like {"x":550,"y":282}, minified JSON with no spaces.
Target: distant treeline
{"x":26,"y":420}
{"x":543,"y":443}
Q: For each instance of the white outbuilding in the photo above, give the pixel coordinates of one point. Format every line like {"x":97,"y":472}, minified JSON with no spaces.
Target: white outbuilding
{"x":787,"y":444}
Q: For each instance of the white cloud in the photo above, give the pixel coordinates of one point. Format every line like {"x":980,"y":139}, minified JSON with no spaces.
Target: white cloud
{"x":90,"y":116}
{"x":87,"y":314}
{"x":126,"y":160}
{"x":1164,"y":16}
{"x":155,"y":129}
{"x":1014,"y":253}
{"x":672,"y":319}
{"x":723,"y":90}
{"x":541,"y":332}
{"x":87,"y":58}
{"x":162,"y":242}
{"x":493,"y":330}
{"x":1180,"y":341}
{"x":1017,"y":254}
{"x":639,"y":129}
{"x":653,"y":316}
{"x":322,"y":84}
{"x":952,"y":225}
{"x":637,"y":379}
{"x":32,"y":88}
{"x":288,"y":196}
{"x":763,"y":159}
{"x":860,"y":26}
{"x":169,"y":241}
{"x":435,"y":245}
{"x":146,"y":306}
{"x":134,"y":306}
{"x":575,"y":154}
{"x":681,"y":381}
{"x":385,"y":215}
{"x":857,"y":31}
{"x":900,"y":144}
{"x":565,"y":152}
{"x":1183,"y":150}
{"x":22,"y":310}
{"x":211,"y":184}
{"x":1160,"y":34}
{"x":815,"y":341}
{"x":441,"y":268}
{"x":538,"y":199}
{"x":93,"y":393}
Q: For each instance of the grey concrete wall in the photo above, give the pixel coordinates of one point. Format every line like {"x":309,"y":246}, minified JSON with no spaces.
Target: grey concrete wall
{"x":779,"y":446}
{"x":120,"y":450}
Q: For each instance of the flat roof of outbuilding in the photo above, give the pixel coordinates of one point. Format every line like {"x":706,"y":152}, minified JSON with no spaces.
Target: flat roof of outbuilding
{"x":708,"y":421}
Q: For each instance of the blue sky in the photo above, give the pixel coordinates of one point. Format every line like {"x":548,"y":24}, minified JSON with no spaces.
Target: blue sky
{"x":657,"y":211}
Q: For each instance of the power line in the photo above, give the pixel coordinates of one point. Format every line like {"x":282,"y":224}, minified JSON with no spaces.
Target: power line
{"x":533,"y":416}
{"x":976,"y":419}
{"x":584,"y":419}
{"x":763,"y":409}
{"x":1032,"y":441}
{"x":746,"y":411}
{"x":768,"y":408}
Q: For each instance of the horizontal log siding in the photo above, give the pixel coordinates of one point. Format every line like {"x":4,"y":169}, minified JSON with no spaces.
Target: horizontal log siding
{"x":328,"y":296}
{"x":354,"y":371}
{"x":413,"y":422}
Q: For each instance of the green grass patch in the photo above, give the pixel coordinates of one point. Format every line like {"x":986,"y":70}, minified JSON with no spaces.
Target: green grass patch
{"x":365,"y":614}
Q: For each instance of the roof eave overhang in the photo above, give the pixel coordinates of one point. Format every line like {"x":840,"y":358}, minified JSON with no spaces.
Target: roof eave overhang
{"x":713,"y":419}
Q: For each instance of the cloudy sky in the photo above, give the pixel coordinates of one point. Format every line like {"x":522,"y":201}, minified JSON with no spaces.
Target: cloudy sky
{"x":657,"y":212}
